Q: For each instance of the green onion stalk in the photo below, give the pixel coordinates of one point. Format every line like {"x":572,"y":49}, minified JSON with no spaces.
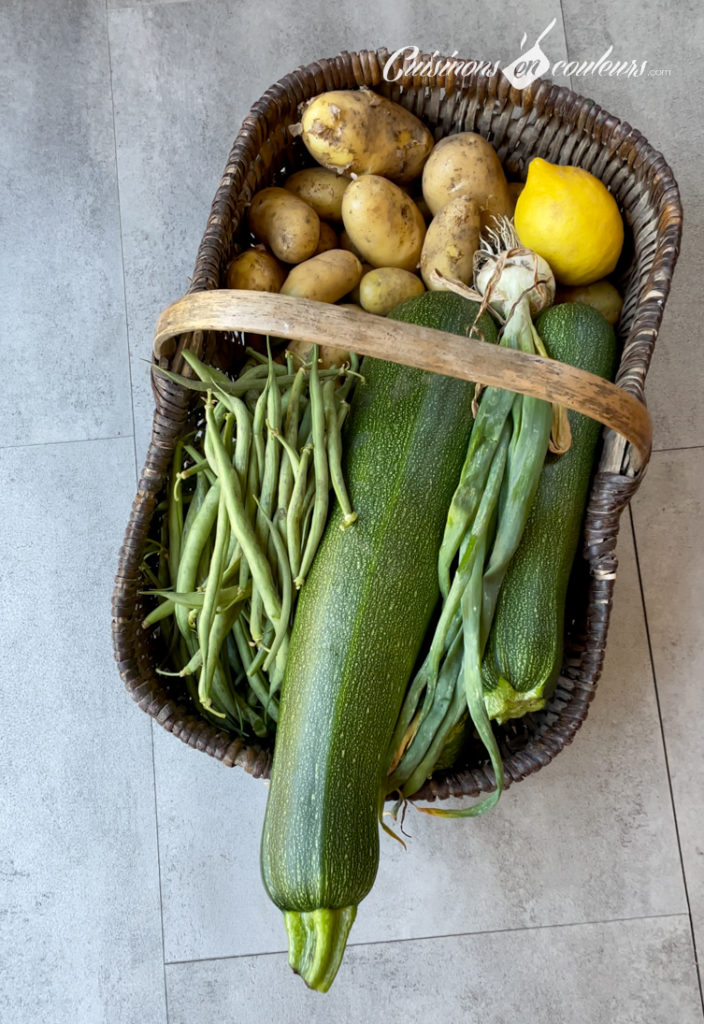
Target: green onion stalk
{"x":484,"y":526}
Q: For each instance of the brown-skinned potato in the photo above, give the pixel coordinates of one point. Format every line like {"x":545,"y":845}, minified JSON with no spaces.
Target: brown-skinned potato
{"x":256,"y":270}
{"x":285,"y":223}
{"x":328,"y":239}
{"x":383,"y":289}
{"x":356,"y":131}
{"x":320,"y":188}
{"x":383,"y":223}
{"x":466,"y":165}
{"x":325,"y":277}
{"x":451,"y":241}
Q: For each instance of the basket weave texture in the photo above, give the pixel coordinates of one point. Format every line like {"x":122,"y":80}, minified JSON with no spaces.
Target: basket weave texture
{"x":542,"y":120}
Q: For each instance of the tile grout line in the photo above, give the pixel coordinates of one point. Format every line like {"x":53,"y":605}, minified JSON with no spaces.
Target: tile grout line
{"x":161,"y":889}
{"x":68,"y":440}
{"x":564,"y":33}
{"x":122,"y":242}
{"x":667,"y":760}
{"x":136,"y":476}
{"x":679,"y":448}
{"x":449,"y":935}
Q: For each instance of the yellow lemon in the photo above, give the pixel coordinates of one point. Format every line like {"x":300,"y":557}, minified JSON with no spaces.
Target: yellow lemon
{"x":571,"y":219}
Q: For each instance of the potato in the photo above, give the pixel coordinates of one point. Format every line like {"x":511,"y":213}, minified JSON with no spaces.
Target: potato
{"x":355,"y":131}
{"x":451,"y":241}
{"x":381,"y":290}
{"x":287,"y":224}
{"x":601,"y":295}
{"x":383,"y":223}
{"x":329,"y":355}
{"x":346,"y":243}
{"x":466,"y":165}
{"x":326,"y":277}
{"x":354,"y":294}
{"x":320,"y":188}
{"x":257,"y":270}
{"x":328,"y":239}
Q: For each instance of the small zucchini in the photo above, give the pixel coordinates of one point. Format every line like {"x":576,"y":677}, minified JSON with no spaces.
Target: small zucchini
{"x":523,"y":656}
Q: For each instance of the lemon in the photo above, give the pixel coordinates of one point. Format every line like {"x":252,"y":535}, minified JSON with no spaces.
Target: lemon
{"x":571,"y":219}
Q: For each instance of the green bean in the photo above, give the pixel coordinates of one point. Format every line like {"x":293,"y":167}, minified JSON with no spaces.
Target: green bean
{"x":164,"y":564}
{"x":290,"y":440}
{"x":243,"y":419}
{"x":351,"y":378}
{"x":236,"y":708}
{"x":295,"y":511}
{"x":175,"y":514}
{"x":334,"y":439}
{"x":250,"y":493}
{"x":306,"y":426}
{"x":158,"y":614}
{"x":258,"y":425}
{"x":211,"y":598}
{"x":220,"y":410}
{"x":195,"y":541}
{"x":308,"y":508}
{"x":244,"y":440}
{"x":195,"y":598}
{"x":190,"y":668}
{"x":264,"y":360}
{"x":234,"y":564}
{"x":228,"y":433}
{"x":221,"y":624}
{"x":197,"y":457}
{"x":198,"y":466}
{"x":187,"y":649}
{"x":242,"y":527}
{"x":240,"y":387}
{"x":320,"y":465}
{"x":151,"y":575}
{"x":272,"y":457}
{"x":256,"y":680}
{"x":343,"y":410}
{"x":281,"y":628}
{"x":309,"y":498}
{"x":251,"y":397}
{"x":290,"y":463}
{"x":262,"y":646}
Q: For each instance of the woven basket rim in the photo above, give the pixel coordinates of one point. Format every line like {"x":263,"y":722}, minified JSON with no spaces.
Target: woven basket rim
{"x":554,"y":102}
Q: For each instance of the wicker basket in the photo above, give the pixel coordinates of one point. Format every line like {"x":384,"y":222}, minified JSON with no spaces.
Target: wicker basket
{"x":542,"y":120}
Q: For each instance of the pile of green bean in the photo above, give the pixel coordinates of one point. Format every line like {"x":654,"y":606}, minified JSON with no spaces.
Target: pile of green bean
{"x":485,"y":522}
{"x":246,"y":506}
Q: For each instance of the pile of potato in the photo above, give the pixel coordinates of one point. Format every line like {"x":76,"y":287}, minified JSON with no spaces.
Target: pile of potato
{"x":383,"y":209}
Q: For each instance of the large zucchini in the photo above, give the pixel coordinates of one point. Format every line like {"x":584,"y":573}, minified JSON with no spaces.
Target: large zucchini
{"x":359,"y":624}
{"x":523,"y":656}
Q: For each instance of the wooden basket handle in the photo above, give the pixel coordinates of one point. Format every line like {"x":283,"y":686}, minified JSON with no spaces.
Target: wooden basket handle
{"x":469,"y":359}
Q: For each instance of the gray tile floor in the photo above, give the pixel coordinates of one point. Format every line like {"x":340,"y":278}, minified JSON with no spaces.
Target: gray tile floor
{"x":130,"y":888}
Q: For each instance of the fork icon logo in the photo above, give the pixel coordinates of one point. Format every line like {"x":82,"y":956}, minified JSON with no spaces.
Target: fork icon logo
{"x":531,"y":65}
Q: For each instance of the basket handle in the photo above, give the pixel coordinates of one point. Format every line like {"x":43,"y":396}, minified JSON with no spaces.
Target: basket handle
{"x":422,"y":347}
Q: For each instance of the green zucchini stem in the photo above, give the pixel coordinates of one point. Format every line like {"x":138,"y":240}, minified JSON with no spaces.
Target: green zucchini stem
{"x":316,"y":943}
